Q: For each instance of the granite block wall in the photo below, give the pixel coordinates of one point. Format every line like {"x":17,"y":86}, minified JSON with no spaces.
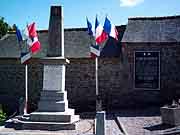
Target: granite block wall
{"x":80,"y":81}
{"x":169,"y":66}
{"x":115,"y":80}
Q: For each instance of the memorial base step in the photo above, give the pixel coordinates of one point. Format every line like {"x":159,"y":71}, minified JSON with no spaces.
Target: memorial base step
{"x":51,"y":126}
{"x":54,"y":117}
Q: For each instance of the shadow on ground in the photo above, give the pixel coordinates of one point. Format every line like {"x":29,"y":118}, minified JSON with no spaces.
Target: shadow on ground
{"x":138,"y":112}
{"x":159,"y":127}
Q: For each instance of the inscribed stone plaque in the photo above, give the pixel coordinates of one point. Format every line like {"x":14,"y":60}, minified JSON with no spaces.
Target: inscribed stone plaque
{"x":53,"y":77}
{"x":147,"y":69}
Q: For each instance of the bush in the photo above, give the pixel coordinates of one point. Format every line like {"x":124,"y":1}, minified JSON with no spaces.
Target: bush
{"x":2,"y":116}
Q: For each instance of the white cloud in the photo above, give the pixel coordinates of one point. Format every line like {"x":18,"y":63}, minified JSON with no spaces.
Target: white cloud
{"x":130,"y":3}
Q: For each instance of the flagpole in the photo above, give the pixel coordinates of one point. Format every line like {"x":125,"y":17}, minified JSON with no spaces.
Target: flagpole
{"x":96,"y":61}
{"x":98,"y":100}
{"x":97,"y":93}
{"x":26,"y":89}
{"x":26,"y":83}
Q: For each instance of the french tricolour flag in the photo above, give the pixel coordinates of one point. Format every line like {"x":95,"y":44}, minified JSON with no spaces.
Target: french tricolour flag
{"x":33,"y":41}
{"x":100,"y":35}
{"x":25,"y":57}
{"x":22,"y":36}
{"x":110,"y":29}
{"x":18,"y":34}
{"x":95,"y":51}
{"x":89,"y":27}
{"x":29,"y":34}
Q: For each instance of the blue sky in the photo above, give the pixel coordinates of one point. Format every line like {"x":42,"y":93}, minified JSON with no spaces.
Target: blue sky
{"x":21,"y":12}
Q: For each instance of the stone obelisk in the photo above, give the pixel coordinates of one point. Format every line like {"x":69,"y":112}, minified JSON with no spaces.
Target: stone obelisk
{"x":53,"y":112}
{"x":56,"y":33}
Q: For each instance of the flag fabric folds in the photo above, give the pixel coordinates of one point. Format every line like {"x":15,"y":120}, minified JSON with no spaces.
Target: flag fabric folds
{"x":18,"y":34}
{"x":35,"y":47}
{"x":100,"y":35}
{"x":94,"y":49}
{"x":89,"y":27}
{"x":33,"y":42}
{"x":110,"y":29}
{"x":32,"y":30}
{"x":25,"y":57}
{"x":25,"y":34}
{"x":32,"y":45}
{"x":21,"y":34}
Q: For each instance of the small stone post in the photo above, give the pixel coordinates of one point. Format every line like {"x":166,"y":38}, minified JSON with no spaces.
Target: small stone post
{"x":100,"y":123}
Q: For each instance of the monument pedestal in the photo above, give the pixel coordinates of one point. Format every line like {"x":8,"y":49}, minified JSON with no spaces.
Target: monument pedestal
{"x":53,"y":112}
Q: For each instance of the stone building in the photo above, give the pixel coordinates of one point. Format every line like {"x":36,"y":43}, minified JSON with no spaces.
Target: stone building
{"x":121,"y":84}
{"x":158,"y":37}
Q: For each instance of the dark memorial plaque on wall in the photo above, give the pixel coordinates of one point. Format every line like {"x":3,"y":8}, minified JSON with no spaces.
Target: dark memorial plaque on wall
{"x":147,"y":69}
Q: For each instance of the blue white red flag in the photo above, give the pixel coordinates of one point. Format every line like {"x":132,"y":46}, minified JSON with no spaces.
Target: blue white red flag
{"x":30,"y":35}
{"x":25,"y":57}
{"x":94,"y":49}
{"x":25,"y":34}
{"x":33,"y":42}
{"x":89,"y":27}
{"x":100,"y":35}
{"x":32,"y":30}
{"x":110,"y":29}
{"x":18,"y":34}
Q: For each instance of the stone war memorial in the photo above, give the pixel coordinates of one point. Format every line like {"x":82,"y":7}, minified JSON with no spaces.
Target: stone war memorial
{"x":52,"y":112}
{"x":139,"y":71}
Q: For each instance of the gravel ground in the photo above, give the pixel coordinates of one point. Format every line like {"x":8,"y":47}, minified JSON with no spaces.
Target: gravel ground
{"x":143,"y":122}
{"x":111,"y":126}
{"x":137,"y":125}
{"x":83,"y":127}
{"x":133,"y":122}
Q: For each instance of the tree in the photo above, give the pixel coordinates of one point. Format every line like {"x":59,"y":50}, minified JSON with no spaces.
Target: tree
{"x":4,"y":27}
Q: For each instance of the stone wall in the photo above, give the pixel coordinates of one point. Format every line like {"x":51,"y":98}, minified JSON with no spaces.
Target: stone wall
{"x":169,"y":66}
{"x":80,"y":81}
{"x":12,"y":82}
{"x":115,"y":80}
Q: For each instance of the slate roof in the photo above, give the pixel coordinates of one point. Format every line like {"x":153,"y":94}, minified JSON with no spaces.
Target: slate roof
{"x":76,"y":44}
{"x":153,"y":29}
